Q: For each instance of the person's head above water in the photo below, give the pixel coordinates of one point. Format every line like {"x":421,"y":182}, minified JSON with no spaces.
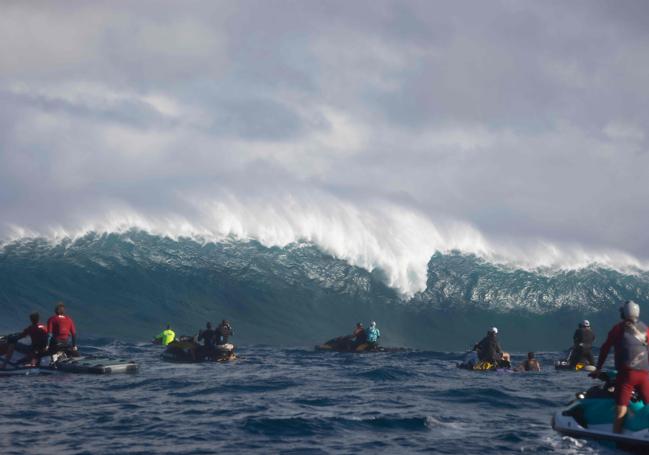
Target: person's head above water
{"x":530,"y":355}
{"x":59,"y":309}
{"x":630,"y":311}
{"x":35,"y":317}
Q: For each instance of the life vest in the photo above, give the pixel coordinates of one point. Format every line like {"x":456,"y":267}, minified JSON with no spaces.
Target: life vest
{"x":631,"y":351}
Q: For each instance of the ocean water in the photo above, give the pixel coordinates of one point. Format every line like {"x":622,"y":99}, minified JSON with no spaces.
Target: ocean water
{"x":290,"y":400}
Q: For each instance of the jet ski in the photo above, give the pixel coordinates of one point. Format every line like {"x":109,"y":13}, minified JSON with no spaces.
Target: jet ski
{"x":186,"y":350}
{"x":60,"y":362}
{"x":564,"y":364}
{"x":471,"y":362}
{"x":592,"y":413}
{"x":346,"y":344}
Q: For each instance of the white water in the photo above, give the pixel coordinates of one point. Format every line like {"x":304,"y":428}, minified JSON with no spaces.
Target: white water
{"x":398,"y":240}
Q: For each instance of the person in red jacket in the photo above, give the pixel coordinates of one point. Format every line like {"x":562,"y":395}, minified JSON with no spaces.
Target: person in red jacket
{"x":61,"y":330}
{"x":630,"y":338}
{"x":37,"y":332}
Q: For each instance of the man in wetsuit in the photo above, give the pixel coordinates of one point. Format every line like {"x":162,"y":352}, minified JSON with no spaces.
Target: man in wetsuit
{"x":61,"y":330}
{"x":630,"y":340}
{"x":166,"y":336}
{"x":38,"y":335}
{"x":583,"y":344}
{"x":488,"y":348}
{"x":531,"y":364}
{"x":224,"y":332}
{"x":208,"y":337}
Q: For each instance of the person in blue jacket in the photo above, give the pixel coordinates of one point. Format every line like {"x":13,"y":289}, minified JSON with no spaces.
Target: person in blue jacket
{"x":373,"y":334}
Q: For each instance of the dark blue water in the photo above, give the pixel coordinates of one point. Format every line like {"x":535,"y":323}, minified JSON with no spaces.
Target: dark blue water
{"x":290,"y":400}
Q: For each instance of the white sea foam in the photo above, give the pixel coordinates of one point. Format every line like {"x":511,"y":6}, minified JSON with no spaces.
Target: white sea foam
{"x":400,"y":241}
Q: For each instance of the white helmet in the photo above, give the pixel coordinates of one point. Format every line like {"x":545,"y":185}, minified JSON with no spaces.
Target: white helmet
{"x":585,"y":323}
{"x":630,"y":311}
{"x":373,"y":324}
{"x":494,"y":329}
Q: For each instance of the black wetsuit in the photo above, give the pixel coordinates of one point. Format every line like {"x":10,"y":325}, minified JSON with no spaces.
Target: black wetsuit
{"x":208,"y":337}
{"x":361,"y":337}
{"x":583,"y":344}
{"x":489,"y":349}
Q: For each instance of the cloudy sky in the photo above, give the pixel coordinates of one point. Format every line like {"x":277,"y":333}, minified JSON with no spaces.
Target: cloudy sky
{"x":485,"y":123}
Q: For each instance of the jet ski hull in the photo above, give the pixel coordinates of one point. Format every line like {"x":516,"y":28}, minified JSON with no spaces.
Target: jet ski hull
{"x":189,"y":352}
{"x":96,"y":366}
{"x":567,"y":425}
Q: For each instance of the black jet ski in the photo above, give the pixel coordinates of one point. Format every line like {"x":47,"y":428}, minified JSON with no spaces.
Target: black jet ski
{"x":186,"y":350}
{"x":592,"y":413}
{"x":346,"y":344}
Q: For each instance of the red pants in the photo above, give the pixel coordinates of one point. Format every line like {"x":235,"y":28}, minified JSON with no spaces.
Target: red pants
{"x":628,"y":380}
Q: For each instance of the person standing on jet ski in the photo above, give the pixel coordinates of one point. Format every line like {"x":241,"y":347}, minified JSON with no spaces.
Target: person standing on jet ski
{"x":166,"y":336}
{"x":583,"y":340}
{"x":630,"y":338}
{"x":373,"y":335}
{"x":38,"y":335}
{"x":488,"y":348}
{"x":359,"y":336}
{"x":61,"y":330}
{"x":208,"y":337}
{"x":223,"y":332}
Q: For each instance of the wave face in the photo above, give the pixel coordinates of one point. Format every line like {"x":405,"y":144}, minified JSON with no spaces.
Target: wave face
{"x":127,"y":285}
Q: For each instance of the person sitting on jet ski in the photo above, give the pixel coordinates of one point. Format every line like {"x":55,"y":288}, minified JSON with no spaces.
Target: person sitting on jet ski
{"x":488,"y":348}
{"x":373,"y":335}
{"x":223,"y":332}
{"x":583,"y":343}
{"x":630,"y":339}
{"x":38,"y":335}
{"x":166,"y":336}
{"x":61,"y":330}
{"x":359,"y":336}
{"x":531,"y":364}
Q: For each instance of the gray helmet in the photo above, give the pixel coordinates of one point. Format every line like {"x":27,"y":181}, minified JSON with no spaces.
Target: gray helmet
{"x":630,"y":311}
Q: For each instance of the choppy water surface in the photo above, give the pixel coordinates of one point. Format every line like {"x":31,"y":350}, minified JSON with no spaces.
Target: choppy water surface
{"x":290,"y":401}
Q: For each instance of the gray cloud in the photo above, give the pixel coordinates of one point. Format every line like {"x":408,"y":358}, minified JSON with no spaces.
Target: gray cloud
{"x":525,"y":119}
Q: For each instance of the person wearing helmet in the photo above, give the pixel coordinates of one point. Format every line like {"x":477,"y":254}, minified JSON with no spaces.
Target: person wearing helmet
{"x":583,"y":340}
{"x":488,"y":348}
{"x":224,"y":332}
{"x":630,"y":340}
{"x":373,"y":334}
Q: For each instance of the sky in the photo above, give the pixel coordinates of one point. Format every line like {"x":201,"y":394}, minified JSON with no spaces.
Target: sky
{"x":381,"y":130}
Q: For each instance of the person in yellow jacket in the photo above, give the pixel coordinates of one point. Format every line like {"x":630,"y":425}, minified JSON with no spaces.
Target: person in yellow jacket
{"x":166,"y":337}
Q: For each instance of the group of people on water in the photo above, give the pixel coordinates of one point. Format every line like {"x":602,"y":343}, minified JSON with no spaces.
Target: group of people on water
{"x":210,"y":337}
{"x":59,"y":335}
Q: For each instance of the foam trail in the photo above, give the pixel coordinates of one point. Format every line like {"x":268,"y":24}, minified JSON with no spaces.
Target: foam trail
{"x":398,"y":240}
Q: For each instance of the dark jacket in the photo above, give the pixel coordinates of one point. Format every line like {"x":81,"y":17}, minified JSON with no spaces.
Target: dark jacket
{"x":584,"y":337}
{"x":489,"y":349}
